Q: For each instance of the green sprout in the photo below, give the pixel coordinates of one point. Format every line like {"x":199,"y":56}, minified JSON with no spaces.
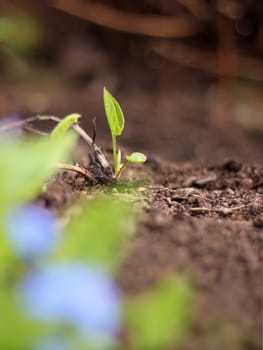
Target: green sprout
{"x":64,"y":125}
{"x":116,"y":123}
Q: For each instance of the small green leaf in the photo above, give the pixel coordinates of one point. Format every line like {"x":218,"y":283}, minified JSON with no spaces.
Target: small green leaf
{"x":136,"y":157}
{"x":161,"y":316}
{"x":114,"y":113}
{"x":65,"y":124}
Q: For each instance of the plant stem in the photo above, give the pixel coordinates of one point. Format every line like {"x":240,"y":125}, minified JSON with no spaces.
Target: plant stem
{"x":120,"y":171}
{"x":114,"y":151}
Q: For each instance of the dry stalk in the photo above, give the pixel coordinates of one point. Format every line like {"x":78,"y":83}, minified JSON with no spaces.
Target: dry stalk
{"x":248,"y":67}
{"x":151,"y":25}
{"x":77,"y":169}
{"x":95,"y":150}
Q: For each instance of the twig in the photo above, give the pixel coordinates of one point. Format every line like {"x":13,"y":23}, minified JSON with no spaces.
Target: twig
{"x":94,"y":130}
{"x":35,"y":131}
{"x":200,"y":9}
{"x":77,"y":169}
{"x":152,"y":25}
{"x":223,"y":210}
{"x":94,"y":148}
{"x":16,"y":124}
{"x":120,"y":171}
{"x":248,"y":67}
{"x":99,"y":154}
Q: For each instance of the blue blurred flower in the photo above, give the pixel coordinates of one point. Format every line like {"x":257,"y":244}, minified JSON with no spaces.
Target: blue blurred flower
{"x":75,"y":294}
{"x":52,"y":343}
{"x":31,"y":231}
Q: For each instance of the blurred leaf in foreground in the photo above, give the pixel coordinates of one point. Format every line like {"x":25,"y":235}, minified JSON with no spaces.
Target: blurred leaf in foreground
{"x":16,"y":332}
{"x":160,"y":316}
{"x":19,"y":32}
{"x":25,"y":166}
{"x":98,"y":233}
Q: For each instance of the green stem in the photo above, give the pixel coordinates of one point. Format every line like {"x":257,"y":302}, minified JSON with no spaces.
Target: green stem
{"x":120,"y":171}
{"x":114,"y":150}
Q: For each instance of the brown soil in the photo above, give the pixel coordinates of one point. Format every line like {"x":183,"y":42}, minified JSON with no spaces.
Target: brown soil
{"x":206,"y":222}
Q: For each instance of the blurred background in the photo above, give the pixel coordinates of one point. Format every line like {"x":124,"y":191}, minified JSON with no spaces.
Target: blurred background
{"x":188,"y":73}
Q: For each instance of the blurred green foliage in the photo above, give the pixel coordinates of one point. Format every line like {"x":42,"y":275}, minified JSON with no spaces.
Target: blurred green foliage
{"x":19,"y":32}
{"x":17,"y":332}
{"x":161,"y":316}
{"x":98,"y":233}
{"x":25,"y":166}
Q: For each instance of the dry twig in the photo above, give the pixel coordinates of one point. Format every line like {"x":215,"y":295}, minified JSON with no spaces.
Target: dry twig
{"x":151,"y":25}
{"x":221,"y":210}
{"x":200,"y":9}
{"x":96,"y":151}
{"x":247,"y":66}
{"x":77,"y":169}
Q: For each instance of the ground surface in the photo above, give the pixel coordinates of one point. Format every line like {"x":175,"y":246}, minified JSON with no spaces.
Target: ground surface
{"x":206,"y":222}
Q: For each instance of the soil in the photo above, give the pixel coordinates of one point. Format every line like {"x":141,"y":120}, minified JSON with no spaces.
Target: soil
{"x":205,"y":222}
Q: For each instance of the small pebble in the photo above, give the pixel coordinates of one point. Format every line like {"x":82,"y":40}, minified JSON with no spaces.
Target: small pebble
{"x":258,"y":221}
{"x":232,"y":165}
{"x":141,"y":189}
{"x":247,"y":183}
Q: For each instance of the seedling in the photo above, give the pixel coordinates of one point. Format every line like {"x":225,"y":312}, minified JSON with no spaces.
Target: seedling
{"x":100,"y":169}
{"x":63,"y":126}
{"x":116,"y":123}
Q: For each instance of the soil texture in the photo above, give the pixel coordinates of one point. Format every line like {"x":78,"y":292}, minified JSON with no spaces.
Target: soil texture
{"x":205,"y":222}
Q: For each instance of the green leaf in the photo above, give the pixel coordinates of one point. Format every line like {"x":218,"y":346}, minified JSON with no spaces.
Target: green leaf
{"x":114,"y":113}
{"x":14,"y":323}
{"x":97,"y":234}
{"x":161,"y":316}
{"x":63,"y":126}
{"x":136,"y":157}
{"x":25,"y":165}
